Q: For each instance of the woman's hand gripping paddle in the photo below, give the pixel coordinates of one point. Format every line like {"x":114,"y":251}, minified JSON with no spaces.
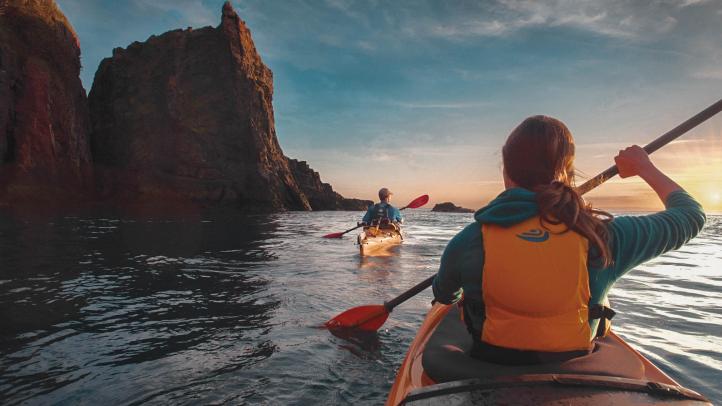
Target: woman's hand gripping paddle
{"x":372,"y":317}
{"x":415,"y":204}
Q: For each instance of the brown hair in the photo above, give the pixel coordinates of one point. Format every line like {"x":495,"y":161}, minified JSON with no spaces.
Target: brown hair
{"x":539,"y":156}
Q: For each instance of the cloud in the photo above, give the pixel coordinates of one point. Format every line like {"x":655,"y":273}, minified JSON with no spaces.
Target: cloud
{"x":474,"y":28}
{"x":687,"y":3}
{"x":366,"y":45}
{"x":194,"y":12}
{"x":347,"y":8}
{"x":688,"y":141}
{"x":619,"y":19}
{"x":709,"y":73}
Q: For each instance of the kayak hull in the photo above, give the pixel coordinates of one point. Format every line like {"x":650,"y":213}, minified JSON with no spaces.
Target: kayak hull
{"x":413,"y":386}
{"x":378,"y":242}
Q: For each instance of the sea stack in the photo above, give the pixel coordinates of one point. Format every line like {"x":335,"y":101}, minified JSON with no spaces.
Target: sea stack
{"x":321,"y":195}
{"x":188,"y":116}
{"x":44,"y":122}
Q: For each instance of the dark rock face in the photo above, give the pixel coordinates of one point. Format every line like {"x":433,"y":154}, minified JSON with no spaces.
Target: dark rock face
{"x":187,"y":115}
{"x":44,"y":122}
{"x":321,"y":195}
{"x":449,"y":207}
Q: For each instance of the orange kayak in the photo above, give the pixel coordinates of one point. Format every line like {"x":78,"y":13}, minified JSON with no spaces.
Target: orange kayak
{"x":437,"y":371}
{"x":378,"y":241}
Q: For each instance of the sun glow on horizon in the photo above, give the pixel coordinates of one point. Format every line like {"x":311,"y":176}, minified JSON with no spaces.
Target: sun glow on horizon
{"x":697,"y":166}
{"x":471,"y":176}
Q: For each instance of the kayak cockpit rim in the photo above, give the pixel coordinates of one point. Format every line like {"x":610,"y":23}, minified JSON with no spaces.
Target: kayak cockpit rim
{"x":608,"y":383}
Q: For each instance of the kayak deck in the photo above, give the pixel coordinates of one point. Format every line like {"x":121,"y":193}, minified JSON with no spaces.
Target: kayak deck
{"x":377,"y":241}
{"x":437,"y":370}
{"x":553,"y":390}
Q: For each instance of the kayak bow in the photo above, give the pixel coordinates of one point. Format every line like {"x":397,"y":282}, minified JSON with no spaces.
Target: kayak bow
{"x":378,"y":241}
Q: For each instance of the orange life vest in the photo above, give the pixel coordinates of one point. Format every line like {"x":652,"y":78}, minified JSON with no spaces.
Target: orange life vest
{"x":535,"y":287}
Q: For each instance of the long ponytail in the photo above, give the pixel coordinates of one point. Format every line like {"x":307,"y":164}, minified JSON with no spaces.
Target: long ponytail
{"x":560,"y":203}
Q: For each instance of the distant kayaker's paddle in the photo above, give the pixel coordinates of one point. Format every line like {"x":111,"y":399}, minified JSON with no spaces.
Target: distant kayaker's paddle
{"x":415,"y":204}
{"x":372,"y":317}
{"x":339,"y":235}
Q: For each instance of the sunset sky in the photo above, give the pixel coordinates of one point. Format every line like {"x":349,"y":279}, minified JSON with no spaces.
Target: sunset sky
{"x":419,"y":96}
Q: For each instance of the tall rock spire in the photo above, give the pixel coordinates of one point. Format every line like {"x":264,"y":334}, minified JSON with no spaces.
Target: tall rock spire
{"x":188,"y":114}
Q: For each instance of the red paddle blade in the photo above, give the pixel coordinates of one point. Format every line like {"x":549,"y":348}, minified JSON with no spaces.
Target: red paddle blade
{"x":418,"y":202}
{"x":333,"y":235}
{"x":368,"y":318}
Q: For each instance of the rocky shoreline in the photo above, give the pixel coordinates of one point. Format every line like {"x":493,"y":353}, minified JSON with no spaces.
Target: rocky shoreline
{"x":185,"y":117}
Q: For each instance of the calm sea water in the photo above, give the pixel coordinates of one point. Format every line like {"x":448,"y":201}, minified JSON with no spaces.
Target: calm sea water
{"x":98,"y":310}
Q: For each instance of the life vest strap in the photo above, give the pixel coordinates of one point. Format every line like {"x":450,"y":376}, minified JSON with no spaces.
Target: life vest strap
{"x":471,"y":309}
{"x":604,"y":314}
{"x":381,"y":212}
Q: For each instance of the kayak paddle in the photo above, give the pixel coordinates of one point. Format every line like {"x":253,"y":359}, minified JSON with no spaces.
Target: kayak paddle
{"x":372,"y":317}
{"x":415,"y":204}
{"x":339,"y":235}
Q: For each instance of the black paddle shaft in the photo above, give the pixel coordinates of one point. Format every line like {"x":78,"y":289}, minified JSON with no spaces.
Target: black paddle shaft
{"x":409,"y":293}
{"x":351,"y":229}
{"x":663,"y":140}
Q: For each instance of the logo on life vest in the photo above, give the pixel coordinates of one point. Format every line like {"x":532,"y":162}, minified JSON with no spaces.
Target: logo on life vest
{"x":534,"y":235}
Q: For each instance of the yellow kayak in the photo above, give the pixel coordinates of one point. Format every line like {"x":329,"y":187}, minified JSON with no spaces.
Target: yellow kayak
{"x":377,"y":241}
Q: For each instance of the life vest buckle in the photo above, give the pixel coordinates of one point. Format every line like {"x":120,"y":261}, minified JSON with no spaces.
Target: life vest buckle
{"x":604,"y":314}
{"x":601,"y":312}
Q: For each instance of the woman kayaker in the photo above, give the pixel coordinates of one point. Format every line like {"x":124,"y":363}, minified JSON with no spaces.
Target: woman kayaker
{"x":383,"y":210}
{"x":536,"y":266}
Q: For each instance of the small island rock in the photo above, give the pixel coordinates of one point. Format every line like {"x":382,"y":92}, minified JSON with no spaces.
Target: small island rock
{"x":448,"y":207}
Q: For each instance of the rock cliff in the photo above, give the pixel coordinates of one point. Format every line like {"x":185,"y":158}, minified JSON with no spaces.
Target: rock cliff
{"x":185,"y":117}
{"x":44,"y":122}
{"x":449,"y":207}
{"x":188,"y":115}
{"x":321,"y":195}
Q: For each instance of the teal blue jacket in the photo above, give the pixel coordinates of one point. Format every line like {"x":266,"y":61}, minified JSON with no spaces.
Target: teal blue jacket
{"x":633,"y":240}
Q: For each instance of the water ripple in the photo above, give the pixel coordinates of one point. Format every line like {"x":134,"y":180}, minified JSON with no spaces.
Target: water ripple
{"x":226,"y":309}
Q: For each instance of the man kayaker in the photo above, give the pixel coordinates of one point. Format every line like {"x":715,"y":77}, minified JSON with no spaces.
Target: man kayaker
{"x":536,"y":266}
{"x":383,"y":211}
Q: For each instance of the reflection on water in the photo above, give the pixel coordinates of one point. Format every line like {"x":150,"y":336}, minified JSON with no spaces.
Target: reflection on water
{"x":363,"y":344}
{"x":670,"y":308}
{"x":226,"y":308}
{"x":86,"y":302}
